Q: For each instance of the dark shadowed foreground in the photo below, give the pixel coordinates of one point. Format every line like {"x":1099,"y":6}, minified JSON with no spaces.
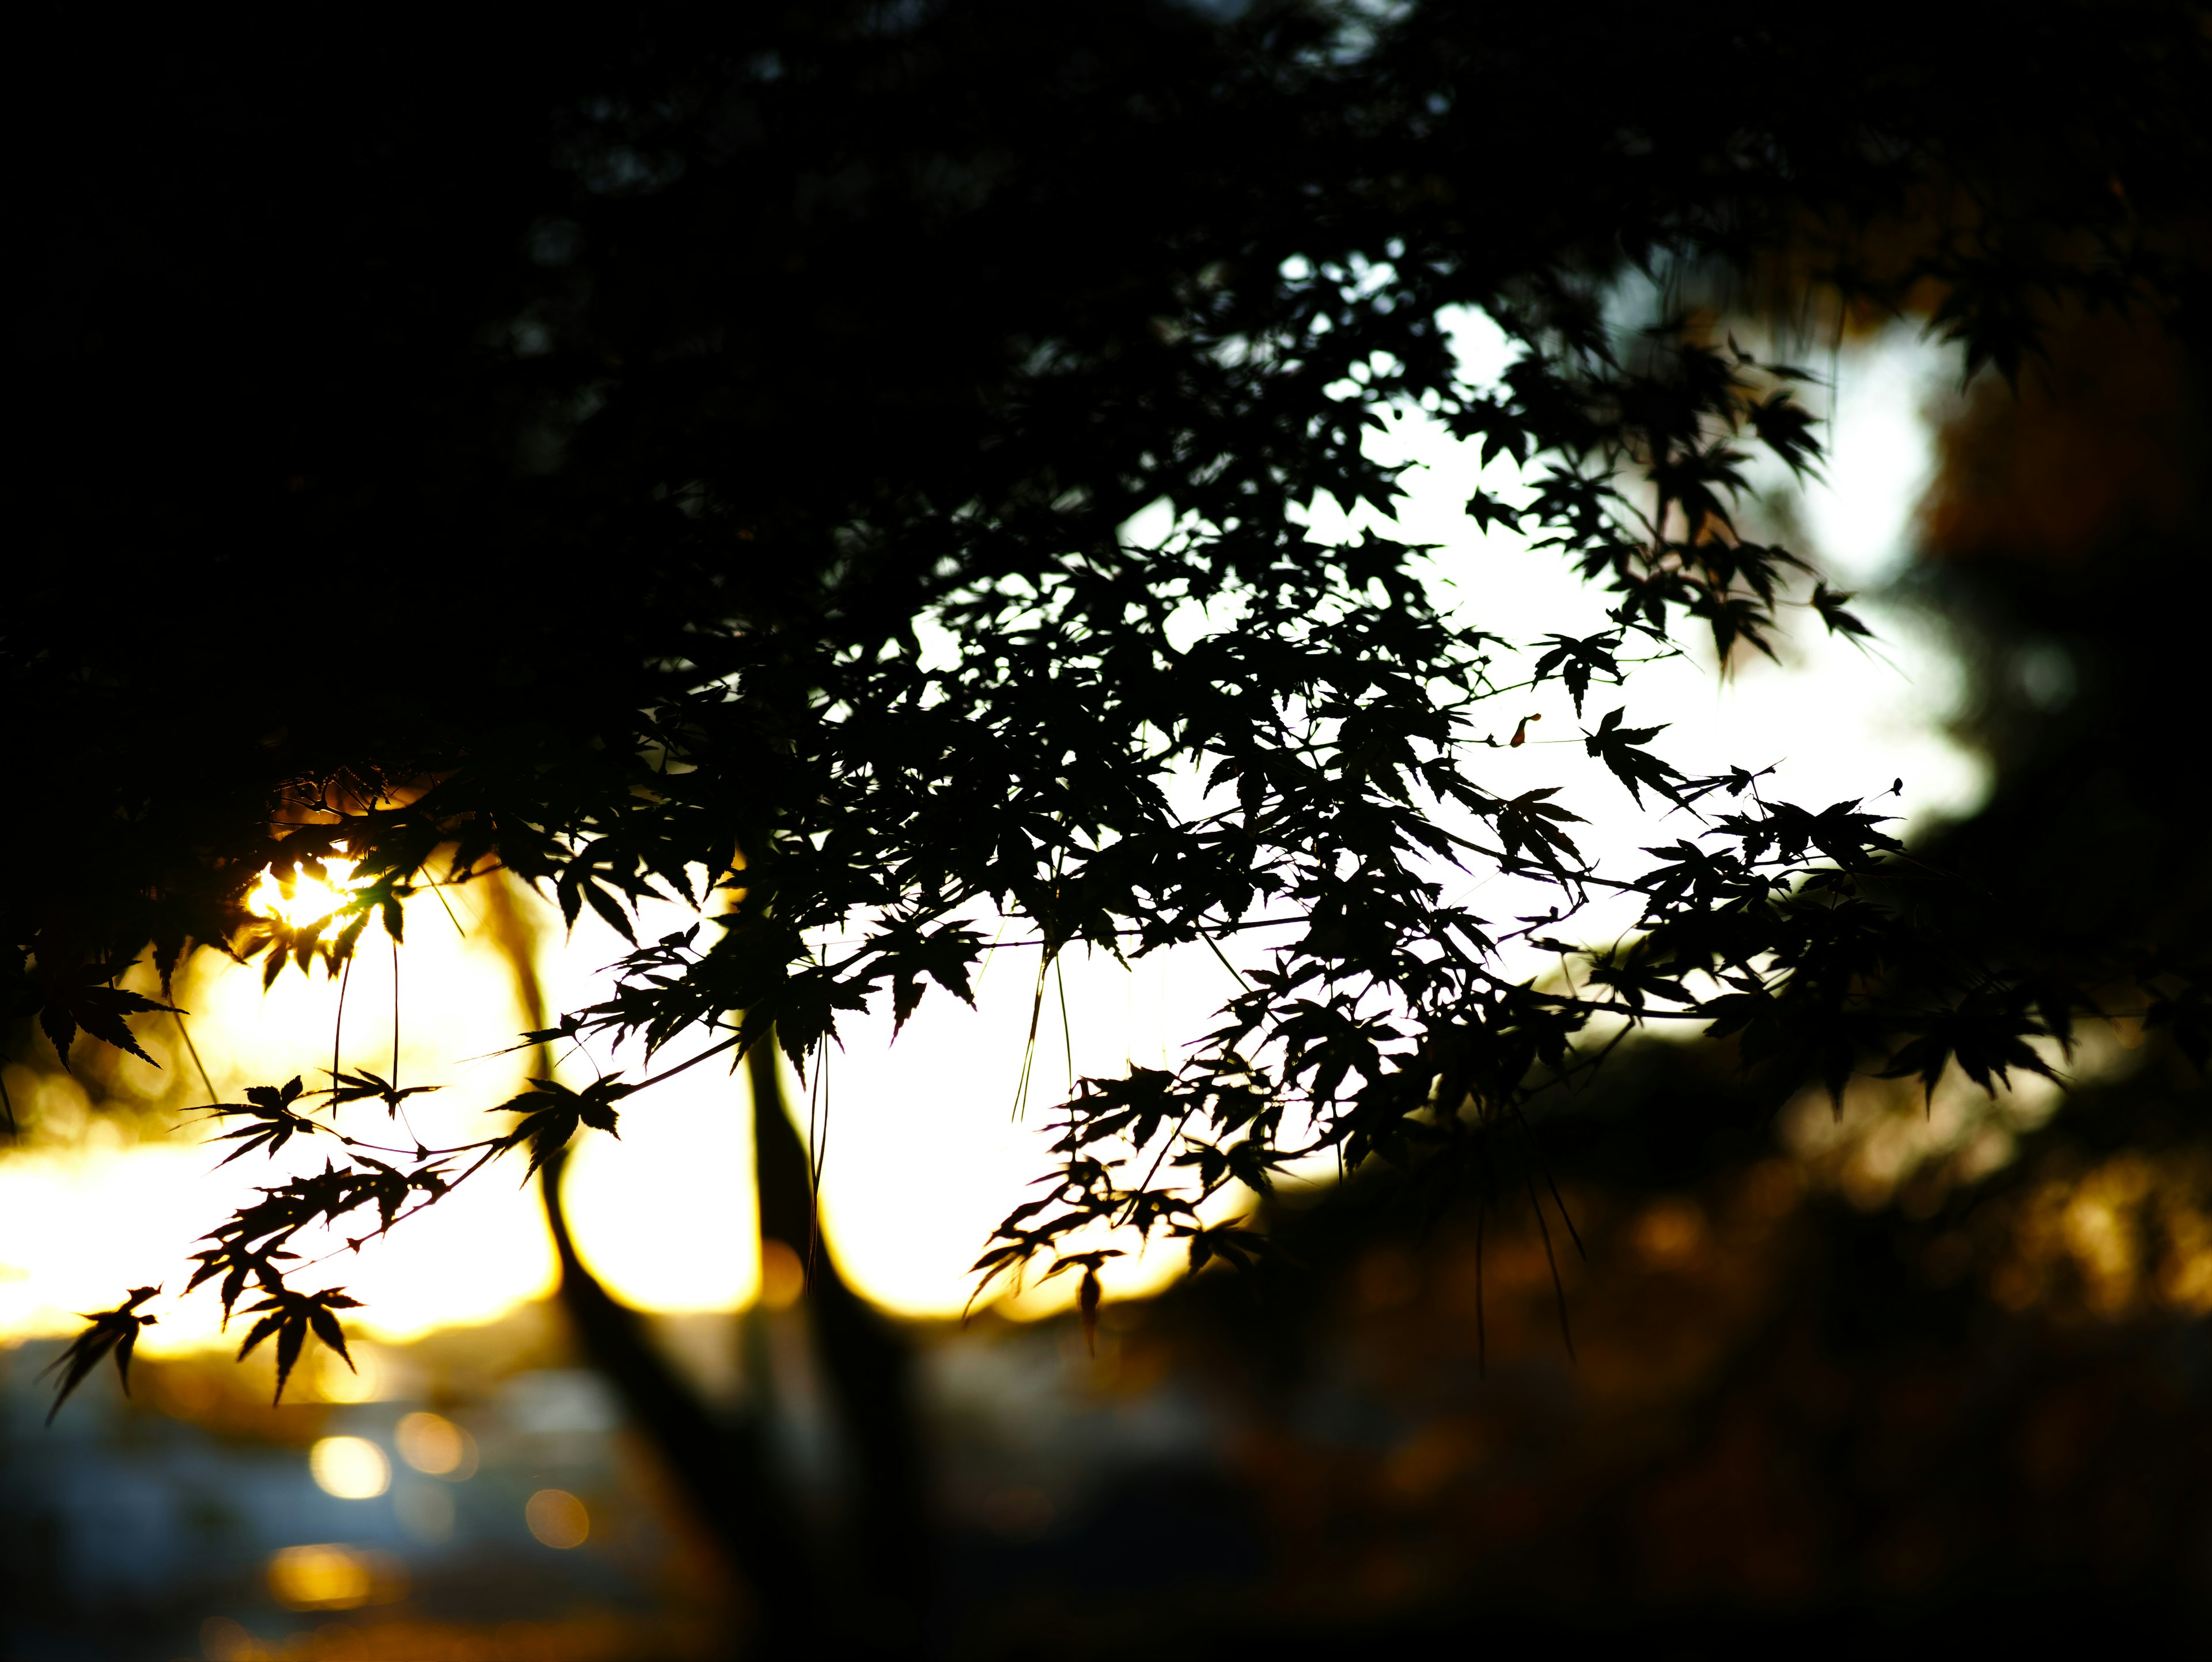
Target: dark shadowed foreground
{"x":1786,"y":1414}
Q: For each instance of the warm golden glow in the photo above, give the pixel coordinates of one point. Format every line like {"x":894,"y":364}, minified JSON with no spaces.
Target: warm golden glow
{"x":330,"y":1577}
{"x":557,"y":1519}
{"x":432,"y":1443}
{"x":81,"y":1218}
{"x":1670,"y":1234}
{"x":306,"y":900}
{"x":783,"y":1277}
{"x":222,"y":1639}
{"x":351,"y":1468}
{"x":368,"y":1380}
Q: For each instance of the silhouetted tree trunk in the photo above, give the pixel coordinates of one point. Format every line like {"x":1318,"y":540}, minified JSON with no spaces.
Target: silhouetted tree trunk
{"x":870,"y":1366}
{"x":724,"y":1463}
{"x":719,"y":1462}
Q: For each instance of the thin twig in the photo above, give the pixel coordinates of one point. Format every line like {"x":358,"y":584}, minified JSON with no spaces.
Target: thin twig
{"x":337,"y":1031}
{"x":438,"y":889}
{"x":1066,"y":1031}
{"x":191,"y":1049}
{"x":1029,"y":1049}
{"x":1225,"y":963}
{"x":1559,"y":1286}
{"x":1551,"y":1182}
{"x":395,"y":1015}
{"x":818,"y":1092}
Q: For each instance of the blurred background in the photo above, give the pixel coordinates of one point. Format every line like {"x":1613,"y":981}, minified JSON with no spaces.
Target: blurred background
{"x":1803,"y":1372}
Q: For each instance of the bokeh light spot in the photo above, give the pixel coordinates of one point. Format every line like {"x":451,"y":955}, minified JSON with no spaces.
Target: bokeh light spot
{"x":432,"y":1443}
{"x":351,"y":1468}
{"x":222,"y":1639}
{"x":557,"y":1519}
{"x":330,"y":1577}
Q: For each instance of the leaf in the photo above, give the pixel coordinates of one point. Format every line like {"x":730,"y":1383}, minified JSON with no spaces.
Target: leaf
{"x":1618,"y":748}
{"x":1488,"y":510}
{"x":1786,"y":427}
{"x":1086,"y":1304}
{"x":1829,"y":604}
{"x":1986,"y":1035}
{"x":1575,"y":660}
{"x":906,"y":998}
{"x":236,"y":1263}
{"x":1087,"y":1293}
{"x":273,"y":1108}
{"x":80,"y":998}
{"x":1227,"y":1241}
{"x":273,"y":1098}
{"x":552,"y":1115}
{"x":112,"y":1330}
{"x":367,"y":1085}
{"x":291,"y":1317}
{"x":1531,"y":820}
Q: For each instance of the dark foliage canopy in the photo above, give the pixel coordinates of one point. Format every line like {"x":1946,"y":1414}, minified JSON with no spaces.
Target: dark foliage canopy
{"x":635,"y":396}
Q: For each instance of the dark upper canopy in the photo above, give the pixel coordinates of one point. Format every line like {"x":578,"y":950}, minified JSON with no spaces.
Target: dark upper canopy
{"x":423,"y":394}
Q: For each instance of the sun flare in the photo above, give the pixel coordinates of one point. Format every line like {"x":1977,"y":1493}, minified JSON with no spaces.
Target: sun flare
{"x":299,"y":901}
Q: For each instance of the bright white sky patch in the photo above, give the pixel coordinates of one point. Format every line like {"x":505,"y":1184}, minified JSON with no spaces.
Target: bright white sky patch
{"x":1880,"y":460}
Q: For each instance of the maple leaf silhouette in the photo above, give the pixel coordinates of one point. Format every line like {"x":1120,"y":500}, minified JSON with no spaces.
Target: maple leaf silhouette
{"x":235,"y":1262}
{"x":1088,"y":1292}
{"x":366,"y":1086}
{"x":1227,"y":1241}
{"x":291,"y":1317}
{"x":272,"y":1107}
{"x":1575,"y":660}
{"x":1829,"y":604}
{"x":1786,"y":428}
{"x":1619,"y":749}
{"x":1986,"y":1037}
{"x":82,"y":998}
{"x":551,"y":1116}
{"x":112,"y":1330}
